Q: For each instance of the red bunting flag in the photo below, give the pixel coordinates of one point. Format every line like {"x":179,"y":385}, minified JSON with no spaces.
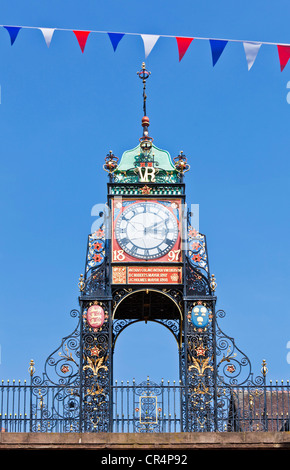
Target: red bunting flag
{"x":82,"y":37}
{"x":183,"y":44}
{"x":284,"y":55}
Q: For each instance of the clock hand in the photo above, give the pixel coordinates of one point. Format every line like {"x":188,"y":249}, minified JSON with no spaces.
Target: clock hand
{"x":136,"y":230}
{"x":145,"y":230}
{"x":153,"y":227}
{"x":133,"y":223}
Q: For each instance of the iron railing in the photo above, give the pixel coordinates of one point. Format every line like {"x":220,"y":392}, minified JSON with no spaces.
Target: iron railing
{"x":146,"y":407}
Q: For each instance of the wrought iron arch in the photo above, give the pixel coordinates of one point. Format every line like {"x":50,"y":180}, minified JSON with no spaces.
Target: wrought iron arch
{"x":173,"y":294}
{"x":120,"y":325}
{"x":174,"y":325}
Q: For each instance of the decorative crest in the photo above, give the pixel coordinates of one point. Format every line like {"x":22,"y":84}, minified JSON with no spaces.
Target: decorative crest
{"x":180,"y":163}
{"x":111,"y":163}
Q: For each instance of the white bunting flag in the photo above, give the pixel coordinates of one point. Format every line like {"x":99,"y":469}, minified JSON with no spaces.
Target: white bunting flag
{"x":47,"y":34}
{"x":251,"y":51}
{"x":149,"y":42}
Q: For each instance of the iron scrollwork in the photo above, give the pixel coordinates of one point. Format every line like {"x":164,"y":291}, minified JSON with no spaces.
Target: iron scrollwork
{"x":95,"y":283}
{"x":55,"y":395}
{"x":200,"y":371}
{"x":62,"y":366}
{"x":148,"y":407}
{"x":197,"y":284}
{"x":233,"y":366}
{"x":96,"y":372}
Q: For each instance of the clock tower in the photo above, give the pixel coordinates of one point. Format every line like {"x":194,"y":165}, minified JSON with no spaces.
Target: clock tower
{"x":147,"y":262}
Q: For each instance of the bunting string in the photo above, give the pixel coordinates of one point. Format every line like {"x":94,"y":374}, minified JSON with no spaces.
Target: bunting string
{"x":217,"y":45}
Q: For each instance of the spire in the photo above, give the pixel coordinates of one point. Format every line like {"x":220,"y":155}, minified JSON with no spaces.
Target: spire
{"x":145,"y":140}
{"x":146,"y":162}
{"x":144,"y":74}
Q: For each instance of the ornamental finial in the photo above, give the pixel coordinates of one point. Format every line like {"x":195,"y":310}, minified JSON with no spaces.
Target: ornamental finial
{"x":144,"y":74}
{"x":111,"y":162}
{"x":213,"y":283}
{"x":145,"y":140}
{"x":81,"y":283}
{"x":264,"y":369}
{"x":180,"y":163}
{"x":31,"y":368}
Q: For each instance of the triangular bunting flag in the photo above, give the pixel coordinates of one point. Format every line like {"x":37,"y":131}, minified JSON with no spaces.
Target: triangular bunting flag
{"x":82,"y":37}
{"x":47,"y":34}
{"x":115,"y":39}
{"x":217,"y":47}
{"x":284,"y":55}
{"x":149,"y":42}
{"x":251,"y":51}
{"x":13,"y":32}
{"x":183,"y":44}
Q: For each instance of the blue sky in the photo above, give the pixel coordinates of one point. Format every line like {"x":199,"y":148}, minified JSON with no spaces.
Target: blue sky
{"x":62,"y":111}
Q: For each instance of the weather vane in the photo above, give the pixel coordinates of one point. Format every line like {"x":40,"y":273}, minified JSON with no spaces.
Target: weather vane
{"x":144,"y":74}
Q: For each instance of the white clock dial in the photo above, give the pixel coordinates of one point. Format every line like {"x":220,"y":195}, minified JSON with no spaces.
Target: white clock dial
{"x":146,"y":230}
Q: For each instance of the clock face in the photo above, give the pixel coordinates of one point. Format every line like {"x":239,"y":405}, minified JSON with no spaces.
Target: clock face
{"x":146,"y":230}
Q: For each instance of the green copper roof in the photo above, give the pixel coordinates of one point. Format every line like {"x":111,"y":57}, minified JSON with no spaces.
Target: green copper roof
{"x":162,"y":159}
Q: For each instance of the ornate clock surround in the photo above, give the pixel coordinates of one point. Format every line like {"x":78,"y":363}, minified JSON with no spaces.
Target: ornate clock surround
{"x":146,"y":230}
{"x":161,"y":262}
